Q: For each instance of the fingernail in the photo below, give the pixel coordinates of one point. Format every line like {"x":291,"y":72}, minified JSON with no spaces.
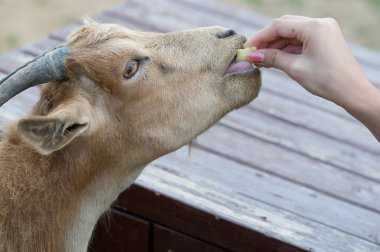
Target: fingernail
{"x":256,"y":57}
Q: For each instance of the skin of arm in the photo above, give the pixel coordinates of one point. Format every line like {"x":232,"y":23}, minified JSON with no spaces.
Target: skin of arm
{"x":364,"y":105}
{"x":314,"y":53}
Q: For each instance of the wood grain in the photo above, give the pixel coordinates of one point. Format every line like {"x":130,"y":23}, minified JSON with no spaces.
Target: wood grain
{"x":120,"y":232}
{"x":174,"y":214}
{"x":251,"y":183}
{"x":166,"y":239}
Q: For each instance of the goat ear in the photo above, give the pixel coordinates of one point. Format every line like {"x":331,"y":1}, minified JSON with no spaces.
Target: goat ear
{"x":47,"y":135}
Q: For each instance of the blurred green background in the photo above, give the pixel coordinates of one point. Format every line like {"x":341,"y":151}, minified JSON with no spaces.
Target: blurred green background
{"x":23,"y":21}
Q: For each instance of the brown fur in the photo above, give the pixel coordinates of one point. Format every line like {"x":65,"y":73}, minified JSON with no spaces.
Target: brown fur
{"x":119,"y":125}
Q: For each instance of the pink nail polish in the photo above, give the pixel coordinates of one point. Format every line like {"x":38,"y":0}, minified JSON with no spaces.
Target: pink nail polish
{"x":256,"y":57}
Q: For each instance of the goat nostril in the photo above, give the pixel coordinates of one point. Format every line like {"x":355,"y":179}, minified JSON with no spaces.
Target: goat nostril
{"x":225,"y":33}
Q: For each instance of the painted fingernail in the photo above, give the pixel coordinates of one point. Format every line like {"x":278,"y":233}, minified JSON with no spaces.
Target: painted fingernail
{"x":256,"y":57}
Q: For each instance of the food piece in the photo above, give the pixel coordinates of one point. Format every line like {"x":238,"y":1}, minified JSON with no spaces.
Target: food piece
{"x":242,"y":54}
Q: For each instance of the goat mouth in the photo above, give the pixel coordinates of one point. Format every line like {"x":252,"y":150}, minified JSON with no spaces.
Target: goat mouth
{"x":238,"y":68}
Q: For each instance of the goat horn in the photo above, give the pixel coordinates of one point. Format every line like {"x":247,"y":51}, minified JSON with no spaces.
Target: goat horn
{"x":47,"y":67}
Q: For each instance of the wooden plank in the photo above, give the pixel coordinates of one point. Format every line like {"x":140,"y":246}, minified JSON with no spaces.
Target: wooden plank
{"x":63,"y":33}
{"x":13,"y":60}
{"x":245,"y":149}
{"x":321,"y":148}
{"x":317,"y":121}
{"x":21,"y":104}
{"x":130,"y":22}
{"x":40,"y":46}
{"x":120,"y":232}
{"x":169,"y":240}
{"x":220,"y":201}
{"x":270,"y":189}
{"x":202,"y":225}
{"x":280,"y":84}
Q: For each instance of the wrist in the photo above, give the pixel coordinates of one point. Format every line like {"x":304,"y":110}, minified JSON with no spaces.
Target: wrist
{"x":354,"y":94}
{"x":365,"y":107}
{"x":363,"y":100}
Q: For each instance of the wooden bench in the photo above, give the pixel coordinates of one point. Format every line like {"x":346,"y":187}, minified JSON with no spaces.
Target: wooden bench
{"x":289,"y":172}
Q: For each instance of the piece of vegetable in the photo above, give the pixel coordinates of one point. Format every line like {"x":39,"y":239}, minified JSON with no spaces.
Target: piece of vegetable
{"x":242,"y":54}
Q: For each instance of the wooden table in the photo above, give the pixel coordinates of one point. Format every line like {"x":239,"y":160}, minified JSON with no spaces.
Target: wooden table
{"x":289,"y":172}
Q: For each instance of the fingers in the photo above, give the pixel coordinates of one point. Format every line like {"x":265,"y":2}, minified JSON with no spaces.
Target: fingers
{"x":292,"y":46}
{"x":275,"y":58}
{"x":293,"y":49}
{"x":282,"y":43}
{"x":288,"y":27}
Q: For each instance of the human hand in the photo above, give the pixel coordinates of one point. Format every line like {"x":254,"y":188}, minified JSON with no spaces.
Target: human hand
{"x":315,"y":54}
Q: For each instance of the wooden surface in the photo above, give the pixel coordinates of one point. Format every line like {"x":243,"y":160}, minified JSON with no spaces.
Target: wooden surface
{"x":121,"y":232}
{"x":290,"y":167}
{"x":168,"y":240}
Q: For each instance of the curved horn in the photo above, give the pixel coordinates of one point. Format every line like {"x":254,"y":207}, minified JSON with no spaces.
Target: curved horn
{"x":47,"y":67}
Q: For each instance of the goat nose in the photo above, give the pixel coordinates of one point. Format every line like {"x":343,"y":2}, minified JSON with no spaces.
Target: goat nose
{"x":225,"y":33}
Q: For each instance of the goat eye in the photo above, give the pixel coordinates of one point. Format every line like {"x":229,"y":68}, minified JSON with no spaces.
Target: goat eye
{"x":131,"y":69}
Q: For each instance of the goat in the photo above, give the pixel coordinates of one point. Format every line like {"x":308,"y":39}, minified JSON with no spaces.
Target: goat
{"x":115,"y":100}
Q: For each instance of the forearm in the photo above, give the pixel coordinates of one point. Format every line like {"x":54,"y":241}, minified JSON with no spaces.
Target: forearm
{"x":364,"y":104}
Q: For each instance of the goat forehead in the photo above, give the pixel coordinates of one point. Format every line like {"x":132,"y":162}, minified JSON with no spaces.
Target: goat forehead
{"x":96,"y":34}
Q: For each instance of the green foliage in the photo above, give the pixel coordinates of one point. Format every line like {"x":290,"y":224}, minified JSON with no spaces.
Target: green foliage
{"x":375,"y":3}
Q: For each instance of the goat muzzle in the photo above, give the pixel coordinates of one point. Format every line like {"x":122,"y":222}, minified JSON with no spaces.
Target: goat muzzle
{"x":45,"y":68}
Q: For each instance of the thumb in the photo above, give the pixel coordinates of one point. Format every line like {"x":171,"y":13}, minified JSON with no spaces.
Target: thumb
{"x":273,"y":58}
